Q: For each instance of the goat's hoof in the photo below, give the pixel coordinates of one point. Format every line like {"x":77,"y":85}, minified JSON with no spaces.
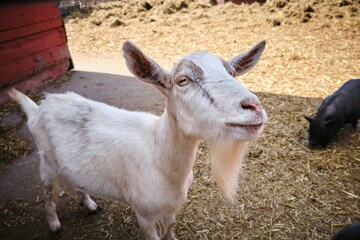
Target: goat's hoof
{"x":99,"y":209}
{"x":96,"y":211}
{"x":56,"y":234}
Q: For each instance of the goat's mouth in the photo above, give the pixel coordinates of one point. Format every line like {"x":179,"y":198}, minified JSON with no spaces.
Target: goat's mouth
{"x":250,"y":127}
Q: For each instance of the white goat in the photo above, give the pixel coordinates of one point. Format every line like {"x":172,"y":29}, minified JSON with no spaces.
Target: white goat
{"x":144,"y":159}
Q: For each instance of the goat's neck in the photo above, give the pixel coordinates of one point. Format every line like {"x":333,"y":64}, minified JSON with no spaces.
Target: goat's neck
{"x":178,"y":150}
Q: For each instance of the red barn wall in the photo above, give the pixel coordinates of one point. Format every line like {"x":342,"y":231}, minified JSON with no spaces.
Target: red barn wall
{"x":33,"y":46}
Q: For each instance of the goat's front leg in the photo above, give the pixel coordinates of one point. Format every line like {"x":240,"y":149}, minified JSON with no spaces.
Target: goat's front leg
{"x":169,"y":222}
{"x":147,"y":225}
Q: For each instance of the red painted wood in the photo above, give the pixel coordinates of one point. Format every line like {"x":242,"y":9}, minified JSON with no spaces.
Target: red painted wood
{"x":13,"y":50}
{"x":14,"y":16}
{"x":31,"y":65}
{"x":37,"y":81}
{"x":24,"y":31}
{"x":33,"y":49}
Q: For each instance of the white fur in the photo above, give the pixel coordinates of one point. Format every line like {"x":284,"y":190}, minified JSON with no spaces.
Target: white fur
{"x":226,"y":162}
{"x":141,"y":158}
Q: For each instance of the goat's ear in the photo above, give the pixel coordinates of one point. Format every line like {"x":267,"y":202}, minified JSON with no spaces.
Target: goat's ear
{"x":247,"y":60}
{"x":145,"y":68}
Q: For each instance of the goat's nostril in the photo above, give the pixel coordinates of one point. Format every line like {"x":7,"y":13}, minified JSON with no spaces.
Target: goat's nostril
{"x":252,"y":106}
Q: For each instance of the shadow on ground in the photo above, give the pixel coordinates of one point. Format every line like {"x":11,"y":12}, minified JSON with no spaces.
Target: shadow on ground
{"x":276,"y":162}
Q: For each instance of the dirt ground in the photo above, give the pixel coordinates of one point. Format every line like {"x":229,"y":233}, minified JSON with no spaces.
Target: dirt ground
{"x":287,"y":191}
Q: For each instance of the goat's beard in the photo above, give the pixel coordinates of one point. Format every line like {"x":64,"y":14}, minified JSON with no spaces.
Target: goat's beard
{"x":226,"y":164}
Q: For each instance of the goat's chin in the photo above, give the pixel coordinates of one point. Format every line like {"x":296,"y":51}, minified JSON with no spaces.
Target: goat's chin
{"x":244,"y":133}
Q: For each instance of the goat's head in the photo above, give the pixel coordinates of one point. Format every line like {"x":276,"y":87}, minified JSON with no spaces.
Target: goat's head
{"x":202,"y":93}
{"x":209,"y":103}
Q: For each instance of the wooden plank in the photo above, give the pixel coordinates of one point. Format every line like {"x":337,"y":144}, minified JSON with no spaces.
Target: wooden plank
{"x":38,"y":81}
{"x":31,"y":65}
{"x":13,"y":50}
{"x":18,"y":15}
{"x":24,"y":31}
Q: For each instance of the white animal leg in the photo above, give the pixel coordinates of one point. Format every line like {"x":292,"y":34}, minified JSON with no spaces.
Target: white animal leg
{"x":48,"y":176}
{"x":169,"y":222}
{"x":90,"y":204}
{"x":148,"y":227}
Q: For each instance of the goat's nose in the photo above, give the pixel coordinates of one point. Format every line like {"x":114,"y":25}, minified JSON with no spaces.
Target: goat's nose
{"x":252,"y":106}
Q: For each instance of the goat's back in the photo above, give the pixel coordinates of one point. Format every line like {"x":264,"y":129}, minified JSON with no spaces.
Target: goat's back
{"x":97,"y":147}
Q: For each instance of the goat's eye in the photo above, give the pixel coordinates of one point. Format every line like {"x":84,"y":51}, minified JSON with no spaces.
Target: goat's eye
{"x":182,"y":82}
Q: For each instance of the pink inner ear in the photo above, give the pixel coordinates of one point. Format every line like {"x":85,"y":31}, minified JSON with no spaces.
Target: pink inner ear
{"x":247,"y":60}
{"x":138,"y":63}
{"x":144,"y":68}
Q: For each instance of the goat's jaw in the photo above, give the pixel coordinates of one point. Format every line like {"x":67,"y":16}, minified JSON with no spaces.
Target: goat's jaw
{"x":245,"y":132}
{"x":245,"y":127}
{"x":248,"y":130}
